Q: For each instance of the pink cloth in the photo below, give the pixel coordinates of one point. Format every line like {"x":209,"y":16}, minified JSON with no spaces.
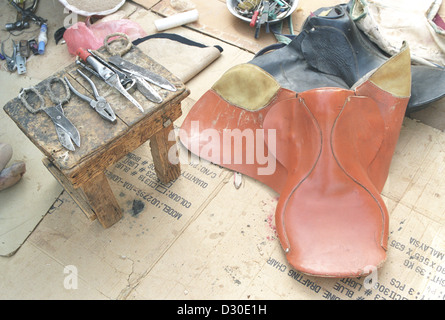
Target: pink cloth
{"x":91,"y":36}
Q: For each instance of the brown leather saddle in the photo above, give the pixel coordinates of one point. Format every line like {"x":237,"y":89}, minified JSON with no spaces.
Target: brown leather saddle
{"x":326,"y":151}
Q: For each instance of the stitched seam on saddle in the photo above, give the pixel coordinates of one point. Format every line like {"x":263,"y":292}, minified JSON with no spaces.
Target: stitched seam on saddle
{"x":382,"y":70}
{"x":273,"y":99}
{"x":374,"y":85}
{"x":382,"y":211}
{"x":381,"y":144}
{"x":307,"y":175}
{"x":226,"y":87}
{"x":383,"y":91}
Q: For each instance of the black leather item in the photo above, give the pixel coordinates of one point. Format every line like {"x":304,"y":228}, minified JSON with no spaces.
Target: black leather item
{"x":331,"y":51}
{"x":291,"y":70}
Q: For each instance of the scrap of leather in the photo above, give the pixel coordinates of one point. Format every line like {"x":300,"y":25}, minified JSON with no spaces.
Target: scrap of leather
{"x":332,"y":147}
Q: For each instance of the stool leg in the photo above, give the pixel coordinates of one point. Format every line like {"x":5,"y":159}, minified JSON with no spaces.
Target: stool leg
{"x":161,"y":148}
{"x":102,"y":200}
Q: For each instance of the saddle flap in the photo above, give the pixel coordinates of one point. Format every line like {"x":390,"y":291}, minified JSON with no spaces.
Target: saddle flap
{"x":226,"y":127}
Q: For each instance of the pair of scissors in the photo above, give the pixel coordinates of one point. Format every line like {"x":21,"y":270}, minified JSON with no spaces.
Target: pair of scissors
{"x":66,"y":131}
{"x":100,"y":105}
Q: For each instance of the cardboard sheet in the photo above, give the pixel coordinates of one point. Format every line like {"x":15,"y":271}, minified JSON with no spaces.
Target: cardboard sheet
{"x":201,"y":238}
{"x":20,"y":212}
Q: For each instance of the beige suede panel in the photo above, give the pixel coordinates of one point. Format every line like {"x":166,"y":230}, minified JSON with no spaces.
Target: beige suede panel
{"x":247,"y":86}
{"x":394,"y":76}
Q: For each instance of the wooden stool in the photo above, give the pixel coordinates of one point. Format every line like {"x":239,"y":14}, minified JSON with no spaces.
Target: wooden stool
{"x":103,"y":143}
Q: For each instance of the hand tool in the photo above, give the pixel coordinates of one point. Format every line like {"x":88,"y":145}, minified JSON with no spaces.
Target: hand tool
{"x":138,"y":74}
{"x":139,"y":71}
{"x":100,"y":105}
{"x":16,"y":61}
{"x":19,"y":59}
{"x":11,"y":62}
{"x":26,"y":15}
{"x":264,"y":16}
{"x":126,"y":81}
{"x":66,"y":131}
{"x":24,"y":48}
{"x":128,"y":78}
{"x":109,"y":76}
{"x":256,"y":12}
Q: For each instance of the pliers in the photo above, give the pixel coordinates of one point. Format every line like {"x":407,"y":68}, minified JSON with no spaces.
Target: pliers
{"x":100,"y":105}
{"x":11,"y":61}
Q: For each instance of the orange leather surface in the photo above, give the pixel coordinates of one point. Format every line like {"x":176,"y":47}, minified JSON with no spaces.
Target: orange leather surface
{"x":333,"y":149}
{"x":213,"y":112}
{"x":330,"y":218}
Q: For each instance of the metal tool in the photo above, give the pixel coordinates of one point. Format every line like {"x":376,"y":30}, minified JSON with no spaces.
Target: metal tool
{"x":134,"y":69}
{"x":100,"y":105}
{"x":255,"y":14}
{"x":262,"y":12}
{"x":142,"y":76}
{"x":264,"y":16}
{"x":26,"y":15}
{"x":16,"y":61}
{"x":128,"y":80}
{"x":24,"y":48}
{"x":126,"y":77}
{"x":147,"y":90}
{"x":66,"y":131}
{"x":106,"y":74}
{"x":19,"y":59}
{"x":11,"y":62}
{"x":144,"y":87}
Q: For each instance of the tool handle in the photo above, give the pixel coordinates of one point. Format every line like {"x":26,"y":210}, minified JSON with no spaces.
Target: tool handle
{"x":56,"y":98}
{"x":254,"y":18}
{"x":77,"y":93}
{"x":23,"y":96}
{"x":103,"y":71}
{"x":93,"y":86}
{"x":83,"y":54}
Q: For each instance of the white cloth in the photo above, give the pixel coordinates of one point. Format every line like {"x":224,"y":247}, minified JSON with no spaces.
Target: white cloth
{"x":390,"y":22}
{"x":89,"y":8}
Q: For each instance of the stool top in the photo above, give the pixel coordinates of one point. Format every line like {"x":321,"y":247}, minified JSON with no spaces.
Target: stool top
{"x":96,"y":134}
